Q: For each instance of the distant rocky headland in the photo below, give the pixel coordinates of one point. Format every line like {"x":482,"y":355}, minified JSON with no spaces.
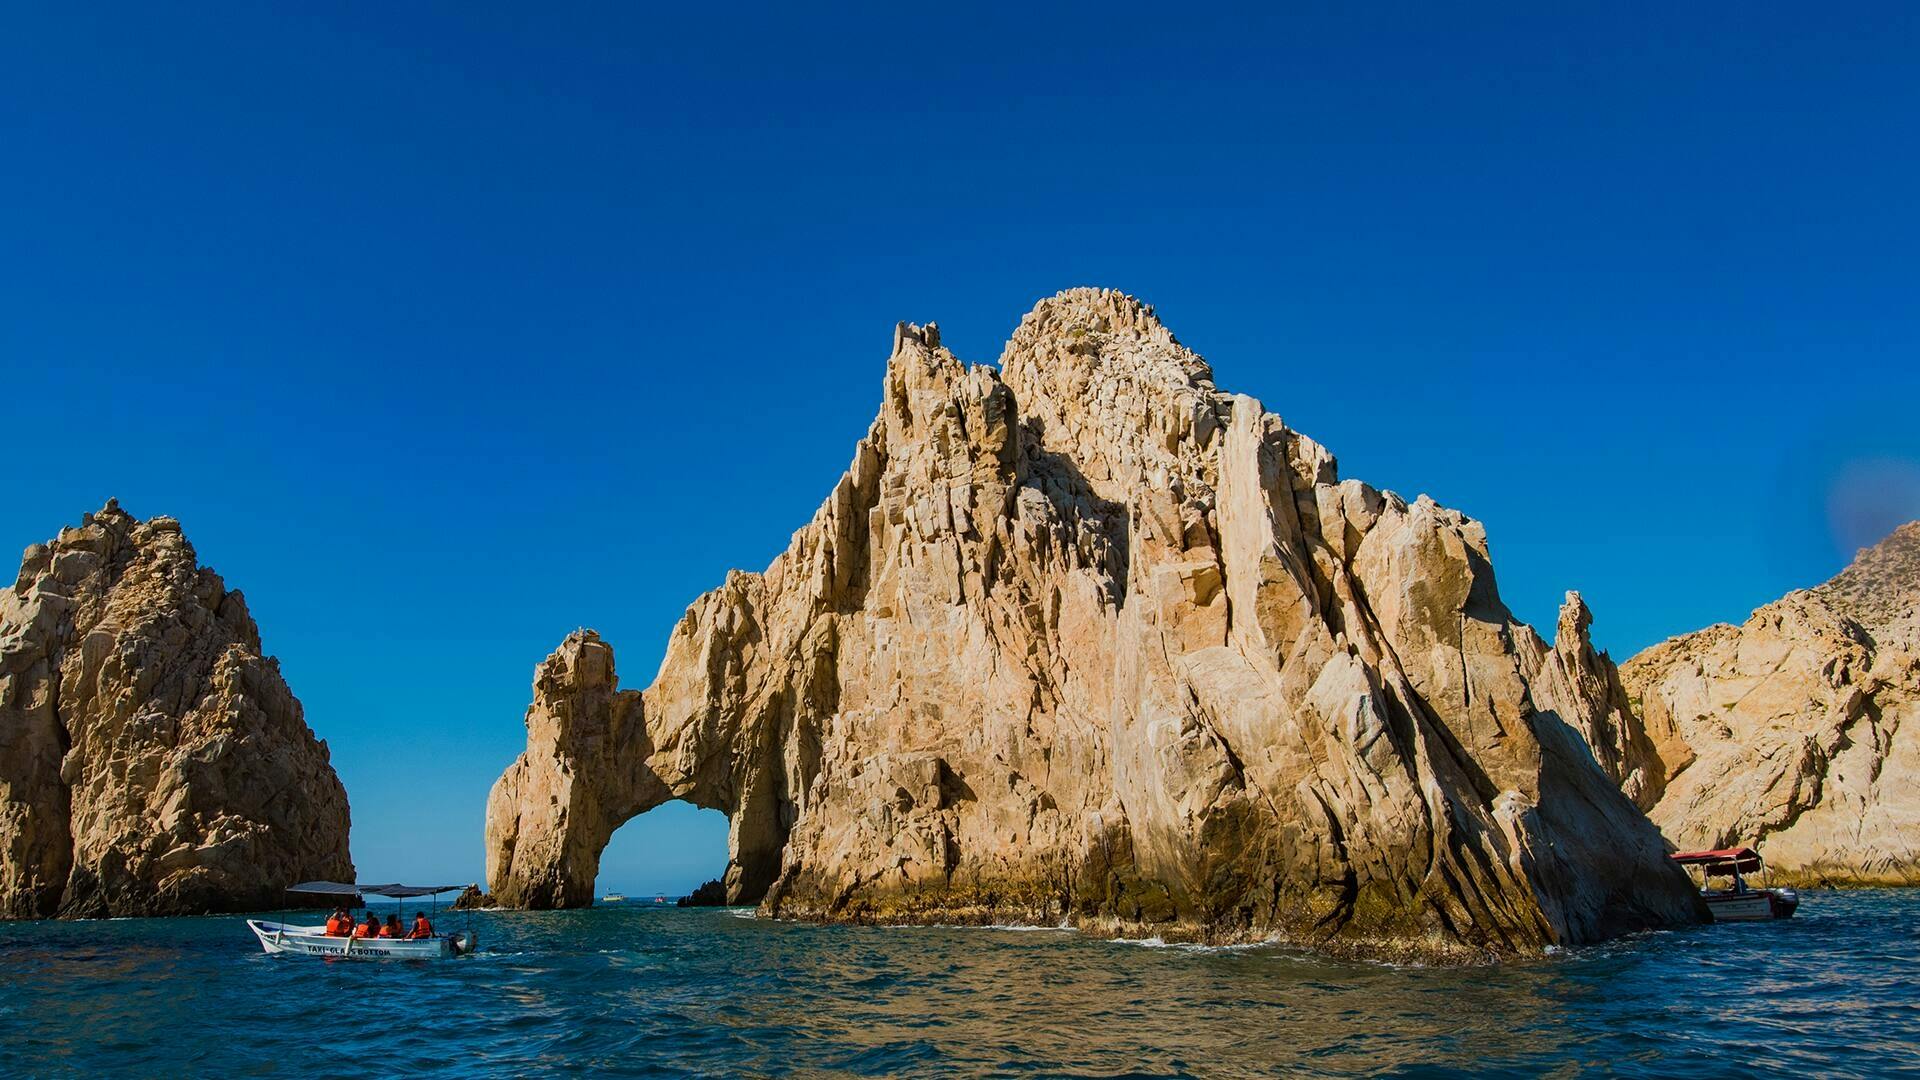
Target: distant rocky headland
{"x":1080,"y":638}
{"x":152,"y":760}
{"x":1799,"y":728}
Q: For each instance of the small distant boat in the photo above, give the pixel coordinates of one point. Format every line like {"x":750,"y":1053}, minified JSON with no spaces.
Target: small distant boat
{"x":302,"y":940}
{"x":613,"y":898}
{"x":1738,"y":901}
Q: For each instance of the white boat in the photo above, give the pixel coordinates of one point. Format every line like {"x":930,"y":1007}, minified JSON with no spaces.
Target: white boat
{"x":613,"y":898}
{"x":314,"y":941}
{"x":301,"y":940}
{"x":1738,"y":901}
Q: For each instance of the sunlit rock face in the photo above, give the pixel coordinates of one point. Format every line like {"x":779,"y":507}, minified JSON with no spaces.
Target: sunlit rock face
{"x":152,"y":761}
{"x":1083,"y":639}
{"x":1799,"y":728}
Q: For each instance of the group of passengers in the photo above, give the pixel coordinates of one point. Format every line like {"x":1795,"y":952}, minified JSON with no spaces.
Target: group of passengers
{"x":342,"y":924}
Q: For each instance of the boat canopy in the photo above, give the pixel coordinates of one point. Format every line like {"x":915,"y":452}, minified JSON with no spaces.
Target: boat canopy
{"x":1723,"y":861}
{"x":390,"y":891}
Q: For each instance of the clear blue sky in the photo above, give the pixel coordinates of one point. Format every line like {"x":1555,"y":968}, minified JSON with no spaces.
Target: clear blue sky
{"x":448,"y":329}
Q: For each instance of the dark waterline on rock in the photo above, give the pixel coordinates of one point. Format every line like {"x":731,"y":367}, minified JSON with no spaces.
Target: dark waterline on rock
{"x":641,"y":990}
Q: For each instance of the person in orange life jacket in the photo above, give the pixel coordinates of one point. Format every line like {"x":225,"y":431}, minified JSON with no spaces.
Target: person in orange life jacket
{"x":339,"y":924}
{"x":392,"y":929}
{"x":421,"y":927}
{"x":370,"y":928}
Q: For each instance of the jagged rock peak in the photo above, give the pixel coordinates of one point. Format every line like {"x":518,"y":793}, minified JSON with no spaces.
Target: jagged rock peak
{"x":1086,"y":639}
{"x":1105,"y":389}
{"x":152,"y":761}
{"x":1078,"y":314}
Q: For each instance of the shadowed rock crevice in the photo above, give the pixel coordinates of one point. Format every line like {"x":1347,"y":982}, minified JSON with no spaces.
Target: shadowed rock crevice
{"x":1093,"y":532}
{"x":1083,"y":638}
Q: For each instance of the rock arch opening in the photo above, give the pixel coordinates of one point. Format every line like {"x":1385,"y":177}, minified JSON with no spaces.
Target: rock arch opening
{"x":599,"y":757}
{"x":669,"y":851}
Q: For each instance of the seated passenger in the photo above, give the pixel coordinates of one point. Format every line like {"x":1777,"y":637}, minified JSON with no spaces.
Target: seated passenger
{"x":421,"y":927}
{"x":370,"y":928}
{"x":339,"y":924}
{"x":392,"y":929}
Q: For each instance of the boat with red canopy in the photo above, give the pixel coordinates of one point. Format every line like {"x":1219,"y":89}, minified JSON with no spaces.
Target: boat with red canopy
{"x":1737,"y":901}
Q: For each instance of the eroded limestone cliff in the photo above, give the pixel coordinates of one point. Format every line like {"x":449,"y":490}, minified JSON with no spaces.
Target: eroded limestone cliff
{"x":1086,"y":639}
{"x":1799,"y":728}
{"x":152,"y":761}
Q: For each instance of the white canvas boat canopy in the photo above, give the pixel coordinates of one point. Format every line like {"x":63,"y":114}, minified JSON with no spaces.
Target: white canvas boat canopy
{"x":390,"y":891}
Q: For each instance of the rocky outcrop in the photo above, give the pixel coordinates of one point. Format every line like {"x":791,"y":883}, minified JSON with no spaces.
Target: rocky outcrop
{"x":1799,"y":729}
{"x":1085,"y":639}
{"x":152,"y":761}
{"x":712,"y":894}
{"x":1583,"y":686}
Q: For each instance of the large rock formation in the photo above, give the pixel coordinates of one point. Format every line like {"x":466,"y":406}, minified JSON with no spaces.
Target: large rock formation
{"x":1085,"y":639}
{"x":152,"y":762}
{"x":1799,"y":728}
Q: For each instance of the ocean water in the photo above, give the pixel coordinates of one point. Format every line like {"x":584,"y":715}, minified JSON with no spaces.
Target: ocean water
{"x":638,"y":990}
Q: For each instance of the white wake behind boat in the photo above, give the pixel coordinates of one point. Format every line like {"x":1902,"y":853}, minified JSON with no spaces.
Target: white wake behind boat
{"x":314,"y":941}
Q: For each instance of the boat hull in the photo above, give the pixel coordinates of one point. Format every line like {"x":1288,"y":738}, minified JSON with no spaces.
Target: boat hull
{"x":314,"y":941}
{"x":1760,"y":905}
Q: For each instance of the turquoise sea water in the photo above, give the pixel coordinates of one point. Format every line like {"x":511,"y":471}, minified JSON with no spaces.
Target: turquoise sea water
{"x":639,"y":990}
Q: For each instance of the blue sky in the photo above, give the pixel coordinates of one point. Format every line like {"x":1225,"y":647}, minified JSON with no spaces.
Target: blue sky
{"x":445,"y":331}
